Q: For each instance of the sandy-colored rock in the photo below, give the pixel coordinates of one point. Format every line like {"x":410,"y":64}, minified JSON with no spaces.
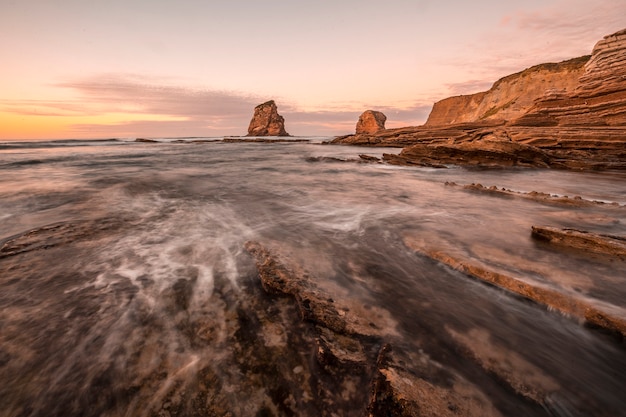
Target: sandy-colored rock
{"x":266,"y":121}
{"x":484,"y":154}
{"x":370,"y":121}
{"x":595,"y":315}
{"x":574,"y":110}
{"x":582,"y":240}
{"x":511,"y":96}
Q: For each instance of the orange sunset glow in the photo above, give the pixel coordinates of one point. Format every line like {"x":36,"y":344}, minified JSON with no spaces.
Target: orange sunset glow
{"x":105,"y":70}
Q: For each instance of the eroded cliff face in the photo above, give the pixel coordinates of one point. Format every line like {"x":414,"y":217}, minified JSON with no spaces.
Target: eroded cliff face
{"x":266,"y":121}
{"x":511,"y":96}
{"x":574,"y":110}
{"x":599,"y":99}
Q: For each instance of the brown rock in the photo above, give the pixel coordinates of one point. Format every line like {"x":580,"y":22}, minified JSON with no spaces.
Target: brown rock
{"x":575,"y":110}
{"x":370,"y":121}
{"x":482,"y":154}
{"x":512,"y":96}
{"x":582,"y":240}
{"x":553,"y":298}
{"x":266,"y":121}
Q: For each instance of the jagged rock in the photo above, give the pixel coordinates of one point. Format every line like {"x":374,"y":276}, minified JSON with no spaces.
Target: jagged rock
{"x":370,"y":121}
{"x":266,"y":121}
{"x":427,"y":390}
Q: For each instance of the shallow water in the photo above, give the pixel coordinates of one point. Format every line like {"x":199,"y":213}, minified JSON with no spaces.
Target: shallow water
{"x":134,"y":299}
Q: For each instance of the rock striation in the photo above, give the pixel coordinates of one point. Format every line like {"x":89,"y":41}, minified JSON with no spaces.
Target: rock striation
{"x":266,"y":121}
{"x":371,"y":121}
{"x":575,"y":111}
{"x":512,"y":96}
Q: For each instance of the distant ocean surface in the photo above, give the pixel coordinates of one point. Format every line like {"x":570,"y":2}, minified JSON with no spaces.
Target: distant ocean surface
{"x":124,"y":260}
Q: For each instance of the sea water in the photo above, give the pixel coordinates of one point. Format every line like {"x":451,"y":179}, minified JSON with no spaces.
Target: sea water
{"x":133,"y":258}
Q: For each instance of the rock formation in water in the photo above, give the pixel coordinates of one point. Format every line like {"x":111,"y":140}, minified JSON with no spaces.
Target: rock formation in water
{"x":266,"y":121}
{"x":371,"y":121}
{"x":575,"y":111}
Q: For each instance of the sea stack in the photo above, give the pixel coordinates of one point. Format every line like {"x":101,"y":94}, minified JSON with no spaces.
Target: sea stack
{"x":370,"y":122}
{"x":266,"y":121}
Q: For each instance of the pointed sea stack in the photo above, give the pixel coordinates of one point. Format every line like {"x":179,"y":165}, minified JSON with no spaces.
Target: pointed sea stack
{"x":266,"y":121}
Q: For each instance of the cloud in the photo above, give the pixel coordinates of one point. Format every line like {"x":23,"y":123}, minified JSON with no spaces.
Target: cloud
{"x":190,"y":112}
{"x":563,"y":30}
{"x":135,"y":94}
{"x":468,"y":87}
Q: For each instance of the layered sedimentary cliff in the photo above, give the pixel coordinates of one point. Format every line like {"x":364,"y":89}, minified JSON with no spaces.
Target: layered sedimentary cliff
{"x":266,"y":121}
{"x":511,"y":96}
{"x":599,"y":99}
{"x":575,"y":111}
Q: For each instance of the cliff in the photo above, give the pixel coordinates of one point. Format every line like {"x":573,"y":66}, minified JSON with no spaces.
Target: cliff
{"x":599,"y":99}
{"x":266,"y":121}
{"x":574,"y":110}
{"x":511,"y":96}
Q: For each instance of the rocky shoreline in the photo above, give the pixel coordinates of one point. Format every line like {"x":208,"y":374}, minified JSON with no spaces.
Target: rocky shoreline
{"x":570,"y":115}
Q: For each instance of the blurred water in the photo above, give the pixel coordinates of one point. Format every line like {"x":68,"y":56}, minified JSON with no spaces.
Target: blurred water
{"x":138,"y":298}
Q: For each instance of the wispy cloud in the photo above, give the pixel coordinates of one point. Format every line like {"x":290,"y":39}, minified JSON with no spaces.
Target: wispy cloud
{"x":135,"y":94}
{"x":563,"y":30}
{"x":187,"y":111}
{"x":468,"y":87}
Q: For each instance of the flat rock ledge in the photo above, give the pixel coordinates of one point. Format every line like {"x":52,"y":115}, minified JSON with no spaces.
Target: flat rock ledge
{"x":537,"y":196}
{"x":593,"y":313}
{"x":582,"y":240}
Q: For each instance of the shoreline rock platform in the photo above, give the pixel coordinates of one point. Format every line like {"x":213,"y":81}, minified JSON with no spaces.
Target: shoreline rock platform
{"x":266,"y":121}
{"x":573,"y":111}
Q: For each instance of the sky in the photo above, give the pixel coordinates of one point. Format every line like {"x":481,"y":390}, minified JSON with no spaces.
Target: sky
{"x":154,"y":68}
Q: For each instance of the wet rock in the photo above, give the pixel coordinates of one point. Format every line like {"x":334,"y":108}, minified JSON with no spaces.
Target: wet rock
{"x":582,"y":240}
{"x":537,"y":196}
{"x":358,"y":358}
{"x":525,"y":378}
{"x":56,"y":234}
{"x":426,"y":391}
{"x":315,"y":304}
{"x":369,"y":158}
{"x":595,"y":314}
{"x":484,"y":154}
{"x":370,"y":121}
{"x":263,"y":140}
{"x":266,"y":121}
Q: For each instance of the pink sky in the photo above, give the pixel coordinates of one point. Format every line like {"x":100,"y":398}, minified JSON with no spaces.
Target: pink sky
{"x":149,"y":68}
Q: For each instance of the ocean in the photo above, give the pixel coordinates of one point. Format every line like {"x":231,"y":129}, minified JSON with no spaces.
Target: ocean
{"x":124,"y":279}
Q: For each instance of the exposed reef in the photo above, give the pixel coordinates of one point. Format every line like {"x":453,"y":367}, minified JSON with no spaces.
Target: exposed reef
{"x":538,"y":196}
{"x":593,"y":313}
